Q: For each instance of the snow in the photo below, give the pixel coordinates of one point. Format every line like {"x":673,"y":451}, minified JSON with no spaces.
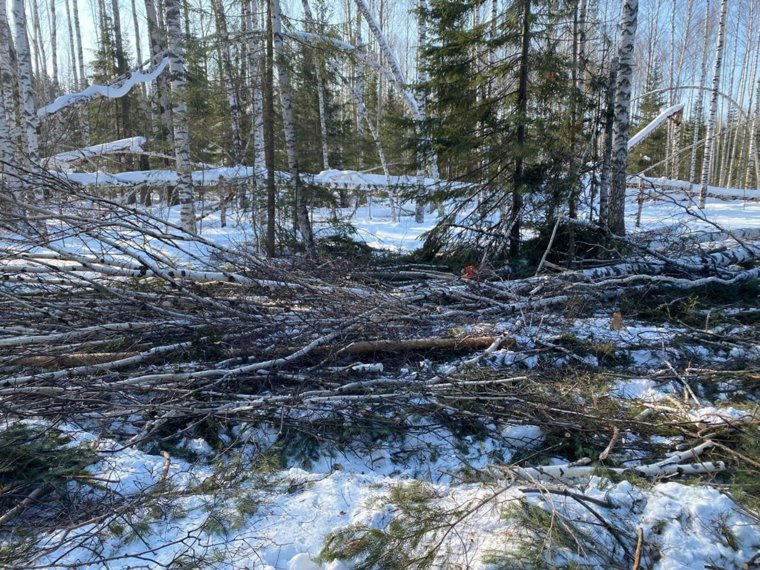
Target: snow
{"x":638,"y":389}
{"x":656,"y":122}
{"x":687,"y":525}
{"x":60,"y":160}
{"x":111,"y":91}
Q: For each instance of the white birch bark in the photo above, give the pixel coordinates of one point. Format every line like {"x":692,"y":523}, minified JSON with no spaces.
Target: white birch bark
{"x":26,"y":83}
{"x":629,"y":19}
{"x":82,"y":73}
{"x":359,"y":90}
{"x":40,"y":54}
{"x":72,"y":46}
{"x":176,"y":54}
{"x":727,"y":129}
{"x":390,"y":58}
{"x":311,"y":26}
{"x":138,"y":41}
{"x":707,"y":162}
{"x":54,"y":44}
{"x":162,"y":127}
{"x":698,"y":110}
{"x":286,"y":101}
{"x":6,"y":155}
{"x":257,"y":100}
{"x":749,"y":73}
{"x":752,"y":159}
{"x":8,"y":79}
{"x":604,"y":177}
{"x":220,"y":21}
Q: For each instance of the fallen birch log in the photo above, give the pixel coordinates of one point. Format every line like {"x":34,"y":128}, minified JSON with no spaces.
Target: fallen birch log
{"x":417,"y":344}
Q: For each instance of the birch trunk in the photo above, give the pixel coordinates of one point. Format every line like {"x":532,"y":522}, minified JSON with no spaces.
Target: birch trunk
{"x":709,"y":140}
{"x":749,"y":72}
{"x":138,"y":42}
{"x":220,"y":21}
{"x":730,"y":127}
{"x":752,"y":159}
{"x":257,"y":102}
{"x":359,"y":91}
{"x":176,"y":54}
{"x":54,"y":44}
{"x":82,"y":74}
{"x":40,"y":54}
{"x":72,"y":47}
{"x":162,"y":128}
{"x":286,"y":100}
{"x":28,"y":104}
{"x":390,"y":58}
{"x":8,"y":80}
{"x":26,"y":83}
{"x":311,"y":26}
{"x":604,"y":178}
{"x":268,"y":92}
{"x":616,"y":212}
{"x":698,"y":111}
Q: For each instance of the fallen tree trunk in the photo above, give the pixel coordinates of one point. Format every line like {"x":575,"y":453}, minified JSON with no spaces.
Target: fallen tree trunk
{"x":416,"y":344}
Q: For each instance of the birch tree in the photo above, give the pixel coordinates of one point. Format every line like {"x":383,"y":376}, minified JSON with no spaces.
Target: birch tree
{"x":72,"y":46}
{"x":54,"y":44}
{"x":257,"y":101}
{"x":220,"y":21}
{"x":26,"y":83}
{"x":698,"y":107}
{"x":82,"y":73}
{"x":176,"y":55}
{"x":609,"y":120}
{"x":8,"y":80}
{"x":301,"y":212}
{"x":628,"y":23}
{"x":709,"y":139}
{"x":162,"y":124}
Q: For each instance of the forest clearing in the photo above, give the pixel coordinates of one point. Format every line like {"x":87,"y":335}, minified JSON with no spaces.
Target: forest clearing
{"x":384,"y":285}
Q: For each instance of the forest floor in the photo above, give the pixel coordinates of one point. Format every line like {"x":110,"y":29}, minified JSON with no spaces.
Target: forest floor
{"x":388,"y":415}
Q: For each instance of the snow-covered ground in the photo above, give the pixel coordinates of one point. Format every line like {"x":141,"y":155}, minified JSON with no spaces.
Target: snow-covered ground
{"x":281,"y":518}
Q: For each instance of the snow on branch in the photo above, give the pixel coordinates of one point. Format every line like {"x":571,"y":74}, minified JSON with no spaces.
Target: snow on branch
{"x":113,"y":91}
{"x":129,"y":145}
{"x":658,"y":120}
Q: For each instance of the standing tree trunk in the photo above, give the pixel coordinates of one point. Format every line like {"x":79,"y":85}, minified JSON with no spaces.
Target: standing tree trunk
{"x":752,"y":158}
{"x":26,"y":84}
{"x":28,"y":104}
{"x":8,"y":80}
{"x":609,"y":120}
{"x":39,"y":46}
{"x":54,"y":45}
{"x":312,"y":27}
{"x":616,"y":215}
{"x":419,"y":206}
{"x":138,"y":42}
{"x":286,"y":100}
{"x":522,"y":110}
{"x":82,"y":74}
{"x":176,"y":54}
{"x":73,"y":46}
{"x":698,"y":110}
{"x":257,"y":111}
{"x":709,"y":140}
{"x":162,"y":128}
{"x":220,"y":21}
{"x":269,"y":132}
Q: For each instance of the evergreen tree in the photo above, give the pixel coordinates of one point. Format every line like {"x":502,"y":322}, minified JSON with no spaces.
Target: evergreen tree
{"x":652,"y":150}
{"x":507,"y":119}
